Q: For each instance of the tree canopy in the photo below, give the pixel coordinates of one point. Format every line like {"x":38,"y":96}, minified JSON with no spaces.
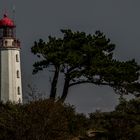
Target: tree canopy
{"x":121,"y":124}
{"x":40,"y":120}
{"x":54,"y":120}
{"x":85,"y":58}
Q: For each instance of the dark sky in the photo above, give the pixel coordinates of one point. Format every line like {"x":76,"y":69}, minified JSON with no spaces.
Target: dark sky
{"x":118,"y":19}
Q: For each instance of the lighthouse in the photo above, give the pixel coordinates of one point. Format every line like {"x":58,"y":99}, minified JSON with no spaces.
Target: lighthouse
{"x":10,"y":69}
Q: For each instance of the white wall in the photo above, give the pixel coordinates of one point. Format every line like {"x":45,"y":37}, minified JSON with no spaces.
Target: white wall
{"x":9,"y":82}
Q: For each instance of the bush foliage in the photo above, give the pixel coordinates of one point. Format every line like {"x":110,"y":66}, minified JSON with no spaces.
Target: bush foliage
{"x":49,"y":120}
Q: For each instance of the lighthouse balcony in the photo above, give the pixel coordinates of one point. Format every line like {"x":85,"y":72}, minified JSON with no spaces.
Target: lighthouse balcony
{"x":9,"y":43}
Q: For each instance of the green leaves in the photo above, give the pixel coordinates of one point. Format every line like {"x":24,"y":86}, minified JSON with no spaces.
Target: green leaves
{"x":42,"y":119}
{"x":40,"y":65}
{"x":82,"y":56}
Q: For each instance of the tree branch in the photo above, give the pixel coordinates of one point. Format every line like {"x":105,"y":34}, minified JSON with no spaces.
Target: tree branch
{"x":70,"y":69}
{"x":92,"y":82}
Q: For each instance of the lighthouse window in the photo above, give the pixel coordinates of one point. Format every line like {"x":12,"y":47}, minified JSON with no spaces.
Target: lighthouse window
{"x":10,"y":33}
{"x":4,"y":32}
{"x":17,"y":73}
{"x":1,"y":32}
{"x":17,"y":58}
{"x":19,"y":100}
{"x":5,"y":43}
{"x":13,"y":43}
{"x":18,"y":90}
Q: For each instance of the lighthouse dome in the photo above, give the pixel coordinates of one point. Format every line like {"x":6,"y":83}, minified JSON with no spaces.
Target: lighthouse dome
{"x":6,"y":22}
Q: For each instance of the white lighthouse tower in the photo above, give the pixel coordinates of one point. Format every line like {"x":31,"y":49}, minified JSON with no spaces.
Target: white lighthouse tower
{"x":10,"y":71}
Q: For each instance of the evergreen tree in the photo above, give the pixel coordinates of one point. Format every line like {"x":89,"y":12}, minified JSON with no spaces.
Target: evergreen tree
{"x":83,"y":59}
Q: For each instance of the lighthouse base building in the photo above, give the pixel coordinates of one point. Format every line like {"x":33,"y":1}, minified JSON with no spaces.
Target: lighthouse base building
{"x":10,"y":71}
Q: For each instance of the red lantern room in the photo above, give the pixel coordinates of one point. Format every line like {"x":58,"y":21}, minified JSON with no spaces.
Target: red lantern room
{"x":6,"y":27}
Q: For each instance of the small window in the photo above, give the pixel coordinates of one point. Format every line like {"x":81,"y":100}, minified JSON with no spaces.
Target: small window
{"x":18,"y":90}
{"x":5,"y":43}
{"x":17,"y":58}
{"x":19,"y":100}
{"x":13,"y":43}
{"x":17,"y":73}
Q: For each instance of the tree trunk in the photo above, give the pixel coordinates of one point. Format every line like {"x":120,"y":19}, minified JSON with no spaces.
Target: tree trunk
{"x":54,"y":84}
{"x":65,"y":89}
